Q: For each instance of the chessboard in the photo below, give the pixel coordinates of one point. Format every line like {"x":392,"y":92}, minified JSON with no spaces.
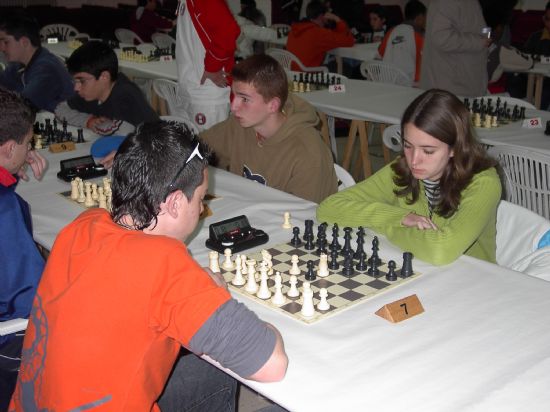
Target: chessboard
{"x":132,"y":54}
{"x":334,"y":291}
{"x":47,"y":133}
{"x":89,"y":195}
{"x":488,"y":114}
{"x":311,"y":81}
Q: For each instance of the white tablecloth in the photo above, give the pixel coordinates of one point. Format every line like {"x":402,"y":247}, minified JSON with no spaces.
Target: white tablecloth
{"x":360,"y":51}
{"x":483,"y":343}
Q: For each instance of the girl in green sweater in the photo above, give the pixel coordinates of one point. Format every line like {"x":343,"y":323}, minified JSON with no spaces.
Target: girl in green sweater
{"x":439,"y":198}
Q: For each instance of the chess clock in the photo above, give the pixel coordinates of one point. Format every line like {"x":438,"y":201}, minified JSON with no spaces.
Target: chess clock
{"x":235,"y":234}
{"x":83,"y":167}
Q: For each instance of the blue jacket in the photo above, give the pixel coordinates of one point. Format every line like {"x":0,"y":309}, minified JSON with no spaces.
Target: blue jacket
{"x":44,"y":81}
{"x":21,"y":264}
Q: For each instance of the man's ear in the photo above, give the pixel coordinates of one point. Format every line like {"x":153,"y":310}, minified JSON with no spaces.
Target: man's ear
{"x":174,"y":204}
{"x":105,"y":75}
{"x":7,"y":149}
{"x":274,"y":105}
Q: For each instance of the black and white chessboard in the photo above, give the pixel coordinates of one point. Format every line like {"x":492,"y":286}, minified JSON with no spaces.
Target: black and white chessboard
{"x":343,"y":291}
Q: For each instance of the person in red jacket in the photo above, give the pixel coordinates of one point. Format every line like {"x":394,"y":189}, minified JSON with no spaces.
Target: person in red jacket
{"x":322,"y":31}
{"x":206,"y":40}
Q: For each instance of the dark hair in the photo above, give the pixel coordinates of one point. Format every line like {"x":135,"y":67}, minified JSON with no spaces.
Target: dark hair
{"x":315,"y":9}
{"x":19,"y":24}
{"x":380,"y":11}
{"x":149,"y":165}
{"x":443,"y":116}
{"x":265,"y":74}
{"x":413,"y":9}
{"x":93,"y":57}
{"x":17,"y":116}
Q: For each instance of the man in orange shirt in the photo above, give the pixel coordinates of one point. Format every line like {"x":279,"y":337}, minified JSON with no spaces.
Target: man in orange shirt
{"x":309,"y":40}
{"x":120,"y":295}
{"x":402,"y":45}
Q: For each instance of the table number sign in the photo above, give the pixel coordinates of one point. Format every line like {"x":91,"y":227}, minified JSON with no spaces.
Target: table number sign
{"x":337,"y":88}
{"x":401,"y":309}
{"x":62,"y":147}
{"x":545,"y":59}
{"x":533,"y":123}
{"x":166,"y":58}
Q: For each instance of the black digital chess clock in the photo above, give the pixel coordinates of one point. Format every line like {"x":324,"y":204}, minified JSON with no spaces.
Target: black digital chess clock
{"x":235,"y":234}
{"x":83,"y":167}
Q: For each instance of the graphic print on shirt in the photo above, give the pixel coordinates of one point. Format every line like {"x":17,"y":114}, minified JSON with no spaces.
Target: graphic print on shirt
{"x":252,"y":176}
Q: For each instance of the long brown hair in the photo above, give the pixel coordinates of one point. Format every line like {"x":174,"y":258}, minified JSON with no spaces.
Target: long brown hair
{"x":443,"y":116}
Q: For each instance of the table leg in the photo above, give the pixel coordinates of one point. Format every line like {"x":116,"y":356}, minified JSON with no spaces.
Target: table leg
{"x":364,"y":149}
{"x":339,"y":65}
{"x":539,"y":79}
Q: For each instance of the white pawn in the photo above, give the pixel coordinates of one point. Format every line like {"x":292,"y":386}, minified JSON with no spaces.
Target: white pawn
{"x":263,"y":292}
{"x":89,"y":202}
{"x":323,"y":304}
{"x":293,"y":291}
{"x":38,"y":142}
{"x":308,"y":310}
{"x":251,"y":268}
{"x":244,"y":270}
{"x":102,"y":199}
{"x":323,"y":272}
{"x":74,"y":189}
{"x":294,"y":270}
{"x":95,"y":195}
{"x":81,"y":197}
{"x":278,"y":298}
{"x":109,"y":197}
{"x":228,"y":263}
{"x":251,"y":285}
{"x":286,"y":222}
{"x":214,"y":262}
{"x":267,"y":261}
{"x":238,"y":279}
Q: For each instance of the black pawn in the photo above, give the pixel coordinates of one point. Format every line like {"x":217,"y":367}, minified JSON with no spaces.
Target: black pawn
{"x":296,"y":241}
{"x":362,"y":264}
{"x":373,"y":269}
{"x":310,"y":274}
{"x":321,"y":245}
{"x":309,"y":243}
{"x":335,"y":244}
{"x":333,"y":264}
{"x":348,"y":266}
{"x":80,"y":136}
{"x":308,"y":231}
{"x":407,"y":269}
{"x":391,"y":275}
{"x":359,"y":251}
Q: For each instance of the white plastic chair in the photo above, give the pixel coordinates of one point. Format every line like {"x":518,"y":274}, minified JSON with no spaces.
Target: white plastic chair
{"x":345,"y":180}
{"x":127,"y":36}
{"x":63,"y":31}
{"x":527,"y":177}
{"x":286,"y":58}
{"x":519,"y":232}
{"x":392,"y":138}
{"x":378,"y":71}
{"x":168,"y":90}
{"x":162,"y":40}
{"x":183,"y":120}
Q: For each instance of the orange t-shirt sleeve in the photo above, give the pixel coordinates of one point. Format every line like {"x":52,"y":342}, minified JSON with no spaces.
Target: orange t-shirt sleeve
{"x":183,"y":298}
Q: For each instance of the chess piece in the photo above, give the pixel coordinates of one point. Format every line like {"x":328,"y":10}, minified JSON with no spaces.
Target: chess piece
{"x":335,"y":244}
{"x":228,"y":263}
{"x":373,"y":269}
{"x":95,"y":195}
{"x":263,"y":292}
{"x":334,"y":265}
{"x":81,"y":197}
{"x":74,"y":189}
{"x":362,"y":264}
{"x":348,"y":270}
{"x":406,"y":268}
{"x":308,"y":310}
{"x":278,"y":298}
{"x":267,"y":260}
{"x":238,"y":279}
{"x":244,"y":268}
{"x":251,"y":268}
{"x":251,"y":285}
{"x":296,"y":241}
{"x":310,"y":274}
{"x":294,"y":270}
{"x":286,"y":222}
{"x":322,"y":271}
{"x":347,"y":242}
{"x":89,"y":202}
{"x":374,"y":257}
{"x":309,"y":243}
{"x":214,"y":263}
{"x":293,"y":291}
{"x":308,"y":231}
{"x":323,"y":303}
{"x":391,"y":275}
{"x":102,"y":198}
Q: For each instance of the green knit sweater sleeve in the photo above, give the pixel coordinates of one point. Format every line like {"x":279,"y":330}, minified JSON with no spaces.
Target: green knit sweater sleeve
{"x":373,"y":204}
